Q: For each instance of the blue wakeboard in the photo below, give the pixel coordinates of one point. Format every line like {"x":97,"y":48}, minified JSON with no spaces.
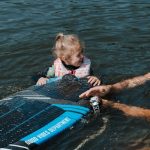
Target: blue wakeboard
{"x":31,"y":117}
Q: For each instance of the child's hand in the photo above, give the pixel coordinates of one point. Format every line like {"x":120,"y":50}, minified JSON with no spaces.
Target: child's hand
{"x":42,"y":81}
{"x":93,"y":80}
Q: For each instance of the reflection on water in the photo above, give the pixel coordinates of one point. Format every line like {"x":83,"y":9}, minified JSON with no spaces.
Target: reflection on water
{"x":116,"y":35}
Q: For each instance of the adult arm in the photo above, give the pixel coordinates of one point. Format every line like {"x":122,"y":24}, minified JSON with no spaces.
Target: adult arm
{"x":130,"y":83}
{"x":128,"y":110}
{"x":126,"y":84}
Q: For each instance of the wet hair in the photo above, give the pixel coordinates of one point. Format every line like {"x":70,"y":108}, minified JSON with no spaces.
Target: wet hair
{"x":66,"y":45}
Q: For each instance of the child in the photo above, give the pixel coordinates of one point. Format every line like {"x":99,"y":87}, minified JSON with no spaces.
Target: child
{"x":70,"y":60}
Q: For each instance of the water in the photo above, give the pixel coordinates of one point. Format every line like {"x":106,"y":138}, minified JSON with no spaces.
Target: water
{"x":117,"y":36}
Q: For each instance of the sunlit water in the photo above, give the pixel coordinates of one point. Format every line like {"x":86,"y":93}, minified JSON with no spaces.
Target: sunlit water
{"x":116,"y":35}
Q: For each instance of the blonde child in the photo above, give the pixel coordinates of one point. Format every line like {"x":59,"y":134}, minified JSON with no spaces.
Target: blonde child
{"x":70,"y":60}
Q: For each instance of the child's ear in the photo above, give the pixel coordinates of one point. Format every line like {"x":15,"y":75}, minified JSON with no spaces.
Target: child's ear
{"x":63,"y":58}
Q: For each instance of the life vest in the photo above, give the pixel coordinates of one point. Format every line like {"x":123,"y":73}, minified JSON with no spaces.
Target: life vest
{"x":82,"y":71}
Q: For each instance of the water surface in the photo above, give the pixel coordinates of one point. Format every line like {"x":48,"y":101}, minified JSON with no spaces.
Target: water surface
{"x":116,"y":35}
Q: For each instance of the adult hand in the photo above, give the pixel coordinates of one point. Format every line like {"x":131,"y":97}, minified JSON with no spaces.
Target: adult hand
{"x":42,"y":81}
{"x":96,"y":91}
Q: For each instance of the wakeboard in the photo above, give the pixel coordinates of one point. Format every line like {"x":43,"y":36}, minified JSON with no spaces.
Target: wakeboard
{"x":35,"y":115}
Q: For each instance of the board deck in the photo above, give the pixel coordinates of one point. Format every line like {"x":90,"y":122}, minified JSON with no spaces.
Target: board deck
{"x":33,"y":116}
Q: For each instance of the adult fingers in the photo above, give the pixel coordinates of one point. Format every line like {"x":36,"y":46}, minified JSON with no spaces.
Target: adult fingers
{"x":91,"y":92}
{"x":85,"y":94}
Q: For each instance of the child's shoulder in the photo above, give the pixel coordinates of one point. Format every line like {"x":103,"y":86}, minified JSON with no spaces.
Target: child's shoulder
{"x":57,"y":60}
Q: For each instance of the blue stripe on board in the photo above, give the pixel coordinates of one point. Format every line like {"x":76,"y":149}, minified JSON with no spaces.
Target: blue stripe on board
{"x":53,"y":128}
{"x":54,"y":79}
{"x":76,"y":108}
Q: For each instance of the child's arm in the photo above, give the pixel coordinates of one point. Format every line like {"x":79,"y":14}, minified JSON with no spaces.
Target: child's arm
{"x":42,"y":81}
{"x":41,"y":77}
{"x":50,"y":73}
{"x":39,"y":74}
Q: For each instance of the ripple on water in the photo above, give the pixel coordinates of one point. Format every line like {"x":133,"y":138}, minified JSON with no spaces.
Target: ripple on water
{"x":116,"y":35}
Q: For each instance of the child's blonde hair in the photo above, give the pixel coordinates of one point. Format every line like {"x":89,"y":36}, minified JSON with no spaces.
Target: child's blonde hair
{"x":66,"y":45}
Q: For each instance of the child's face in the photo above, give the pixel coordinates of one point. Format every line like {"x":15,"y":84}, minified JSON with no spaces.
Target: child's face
{"x":76,"y":59}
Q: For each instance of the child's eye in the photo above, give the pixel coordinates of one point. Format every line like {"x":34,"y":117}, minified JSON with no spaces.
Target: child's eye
{"x":79,"y":54}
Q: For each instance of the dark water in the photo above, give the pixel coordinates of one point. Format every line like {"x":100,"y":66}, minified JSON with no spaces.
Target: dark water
{"x":117,"y":36}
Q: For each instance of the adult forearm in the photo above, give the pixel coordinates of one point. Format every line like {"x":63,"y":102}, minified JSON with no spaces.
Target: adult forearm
{"x":128,"y":110}
{"x":130,"y":83}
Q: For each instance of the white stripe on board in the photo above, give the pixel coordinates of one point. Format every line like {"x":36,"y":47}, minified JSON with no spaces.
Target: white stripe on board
{"x":37,"y":97}
{"x":14,"y":145}
{"x":9,"y":98}
{"x":5,"y":149}
{"x":29,"y":95}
